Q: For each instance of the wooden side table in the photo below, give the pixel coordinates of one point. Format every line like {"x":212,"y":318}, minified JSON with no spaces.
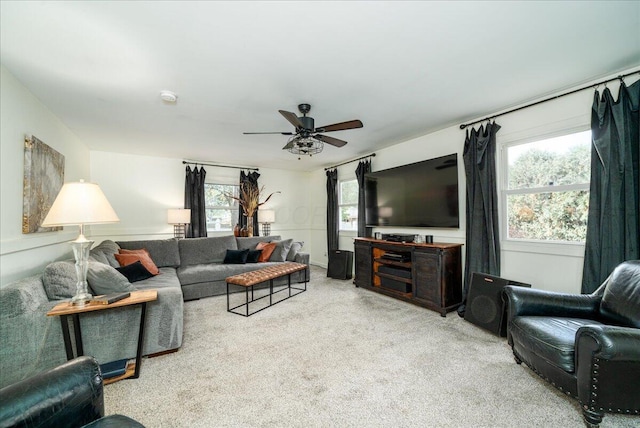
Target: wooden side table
{"x":66,"y":311}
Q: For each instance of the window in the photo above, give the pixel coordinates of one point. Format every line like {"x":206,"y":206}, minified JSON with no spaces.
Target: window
{"x":348,"y":204}
{"x":546,"y":195}
{"x":221,"y":210}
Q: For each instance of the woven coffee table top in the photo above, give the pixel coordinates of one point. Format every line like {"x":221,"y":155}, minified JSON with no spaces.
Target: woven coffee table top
{"x":248,"y":279}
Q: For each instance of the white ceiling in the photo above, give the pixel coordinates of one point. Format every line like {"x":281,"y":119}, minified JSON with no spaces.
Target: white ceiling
{"x":404,"y":68}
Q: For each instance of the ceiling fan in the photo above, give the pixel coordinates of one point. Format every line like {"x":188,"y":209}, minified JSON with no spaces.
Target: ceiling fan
{"x":307,"y":139}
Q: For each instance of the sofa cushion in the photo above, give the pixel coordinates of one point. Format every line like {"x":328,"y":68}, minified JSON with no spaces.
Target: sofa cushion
{"x":254,"y":256}
{"x":135,"y":272}
{"x":266,"y":249}
{"x":281,"y":251}
{"x":251,"y":242}
{"x":211,"y":272}
{"x":553,"y":339}
{"x":195,"y":251}
{"x":236,"y":257}
{"x":104,"y":279}
{"x":141,"y":256}
{"x":296,"y":246}
{"x":163,"y":252}
{"x":59,"y":280}
{"x":621,"y":299}
{"x":109,"y":249}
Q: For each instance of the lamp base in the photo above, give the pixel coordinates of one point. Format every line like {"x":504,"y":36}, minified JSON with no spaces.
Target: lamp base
{"x":266,"y":229}
{"x":81,"y":248}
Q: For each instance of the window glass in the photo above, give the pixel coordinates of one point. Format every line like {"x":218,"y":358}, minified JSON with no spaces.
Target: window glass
{"x":221,"y":209}
{"x":348,"y":205}
{"x":547,"y":189}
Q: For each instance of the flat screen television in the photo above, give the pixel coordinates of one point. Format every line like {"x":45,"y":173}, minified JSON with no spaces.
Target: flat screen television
{"x":421,"y":194}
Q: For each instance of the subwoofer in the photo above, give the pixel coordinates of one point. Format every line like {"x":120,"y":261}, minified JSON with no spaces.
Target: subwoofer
{"x":340,"y":264}
{"x":484,"y":306}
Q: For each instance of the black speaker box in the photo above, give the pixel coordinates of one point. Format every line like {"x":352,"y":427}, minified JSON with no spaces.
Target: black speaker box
{"x":484,"y":306}
{"x":340,"y":264}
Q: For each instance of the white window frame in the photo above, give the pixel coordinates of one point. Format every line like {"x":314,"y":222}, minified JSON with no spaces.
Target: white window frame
{"x":341,"y":205}
{"x":566,"y":248}
{"x":215,"y":207}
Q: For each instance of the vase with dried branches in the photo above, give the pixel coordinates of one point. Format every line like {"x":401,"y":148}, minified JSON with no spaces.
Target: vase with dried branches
{"x":249,"y":200}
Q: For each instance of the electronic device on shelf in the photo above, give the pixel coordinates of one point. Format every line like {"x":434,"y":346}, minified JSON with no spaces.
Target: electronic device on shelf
{"x":398,"y":237}
{"x":397,"y":257}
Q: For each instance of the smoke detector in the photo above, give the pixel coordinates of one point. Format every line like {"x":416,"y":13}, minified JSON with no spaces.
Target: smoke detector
{"x":168,"y":96}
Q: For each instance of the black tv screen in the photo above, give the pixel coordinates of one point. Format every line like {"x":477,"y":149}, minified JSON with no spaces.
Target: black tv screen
{"x":421,"y":194}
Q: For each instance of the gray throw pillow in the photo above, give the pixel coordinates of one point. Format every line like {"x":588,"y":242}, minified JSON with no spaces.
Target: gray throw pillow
{"x":59,"y":280}
{"x":109,"y":248}
{"x":295,"y":249}
{"x":103,"y":279}
{"x":282,"y":249}
{"x":98,"y":256}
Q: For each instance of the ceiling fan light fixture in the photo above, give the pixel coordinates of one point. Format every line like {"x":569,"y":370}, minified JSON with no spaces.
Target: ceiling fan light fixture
{"x":304,"y":146}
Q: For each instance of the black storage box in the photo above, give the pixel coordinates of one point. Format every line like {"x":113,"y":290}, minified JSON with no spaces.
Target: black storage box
{"x":392,"y":284}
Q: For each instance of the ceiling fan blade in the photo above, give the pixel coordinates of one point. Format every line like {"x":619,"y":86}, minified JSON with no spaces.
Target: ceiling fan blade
{"x":351,"y":124}
{"x":260,"y":133}
{"x":330,"y":140}
{"x":292,"y":118}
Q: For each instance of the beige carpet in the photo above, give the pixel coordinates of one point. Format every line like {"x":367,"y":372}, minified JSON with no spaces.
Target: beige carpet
{"x":339,"y":356}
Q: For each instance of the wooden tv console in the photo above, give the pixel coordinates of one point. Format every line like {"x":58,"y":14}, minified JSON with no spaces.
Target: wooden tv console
{"x":428,"y":275}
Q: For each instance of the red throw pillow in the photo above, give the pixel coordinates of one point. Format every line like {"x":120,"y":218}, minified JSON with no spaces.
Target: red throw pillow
{"x":126,"y":257}
{"x":267,"y":248}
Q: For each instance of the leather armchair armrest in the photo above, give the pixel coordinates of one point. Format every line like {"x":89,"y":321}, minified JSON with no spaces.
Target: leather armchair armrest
{"x":609,"y":342}
{"x":608,"y":369}
{"x":524,"y":301}
{"x":69,"y":395}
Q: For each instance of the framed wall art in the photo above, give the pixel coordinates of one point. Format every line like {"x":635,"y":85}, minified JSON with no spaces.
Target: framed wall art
{"x":43,"y":179}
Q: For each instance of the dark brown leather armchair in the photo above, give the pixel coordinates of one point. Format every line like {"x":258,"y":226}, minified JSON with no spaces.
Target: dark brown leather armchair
{"x":67,"y":396}
{"x":586,"y":345}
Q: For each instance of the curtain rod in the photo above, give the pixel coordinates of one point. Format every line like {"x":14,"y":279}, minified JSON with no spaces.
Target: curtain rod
{"x":594,"y":85}
{"x":372,"y":155}
{"x":221,"y":166}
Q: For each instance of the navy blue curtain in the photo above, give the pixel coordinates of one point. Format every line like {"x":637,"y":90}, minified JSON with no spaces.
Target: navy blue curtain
{"x":194,"y":200}
{"x":361,"y":170}
{"x":252,"y":179}
{"x":482,"y":234}
{"x":613,"y":231}
{"x":332,"y":210}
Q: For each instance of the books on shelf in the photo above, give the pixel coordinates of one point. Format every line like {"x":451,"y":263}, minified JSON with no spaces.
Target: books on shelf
{"x":114,"y":368}
{"x":107,"y":299}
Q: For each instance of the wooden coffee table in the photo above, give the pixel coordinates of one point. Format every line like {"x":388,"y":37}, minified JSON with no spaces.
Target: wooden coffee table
{"x":66,"y":311}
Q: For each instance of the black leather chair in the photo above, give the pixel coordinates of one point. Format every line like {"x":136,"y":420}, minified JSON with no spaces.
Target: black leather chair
{"x":69,"y":395}
{"x":587,"y":345}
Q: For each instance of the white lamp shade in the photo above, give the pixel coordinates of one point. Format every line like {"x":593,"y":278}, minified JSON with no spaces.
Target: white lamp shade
{"x":80,"y":203}
{"x":178,"y":216}
{"x":266,"y":216}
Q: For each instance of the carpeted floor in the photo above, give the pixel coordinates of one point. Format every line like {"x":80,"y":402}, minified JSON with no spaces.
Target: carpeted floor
{"x":340,"y":356}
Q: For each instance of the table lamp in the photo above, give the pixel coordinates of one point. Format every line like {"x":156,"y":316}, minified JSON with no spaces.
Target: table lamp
{"x":80,"y":203}
{"x":266,"y":217}
{"x":179,"y":218}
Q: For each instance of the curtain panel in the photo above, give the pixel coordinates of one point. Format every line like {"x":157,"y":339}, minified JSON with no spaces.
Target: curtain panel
{"x":195,"y":201}
{"x":332,"y":210}
{"x":482,"y":230}
{"x":613,"y":231}
{"x":252,"y":178}
{"x":361,"y":170}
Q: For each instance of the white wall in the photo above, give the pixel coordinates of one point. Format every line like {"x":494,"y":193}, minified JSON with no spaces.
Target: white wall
{"x":23,"y":114}
{"x":142,"y":188}
{"x":546,"y":266}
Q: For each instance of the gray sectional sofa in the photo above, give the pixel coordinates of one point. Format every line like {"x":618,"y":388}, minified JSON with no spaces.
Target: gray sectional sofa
{"x":31,"y":342}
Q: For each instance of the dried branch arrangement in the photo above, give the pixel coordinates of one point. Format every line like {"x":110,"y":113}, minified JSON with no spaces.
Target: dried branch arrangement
{"x":249,"y":198}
